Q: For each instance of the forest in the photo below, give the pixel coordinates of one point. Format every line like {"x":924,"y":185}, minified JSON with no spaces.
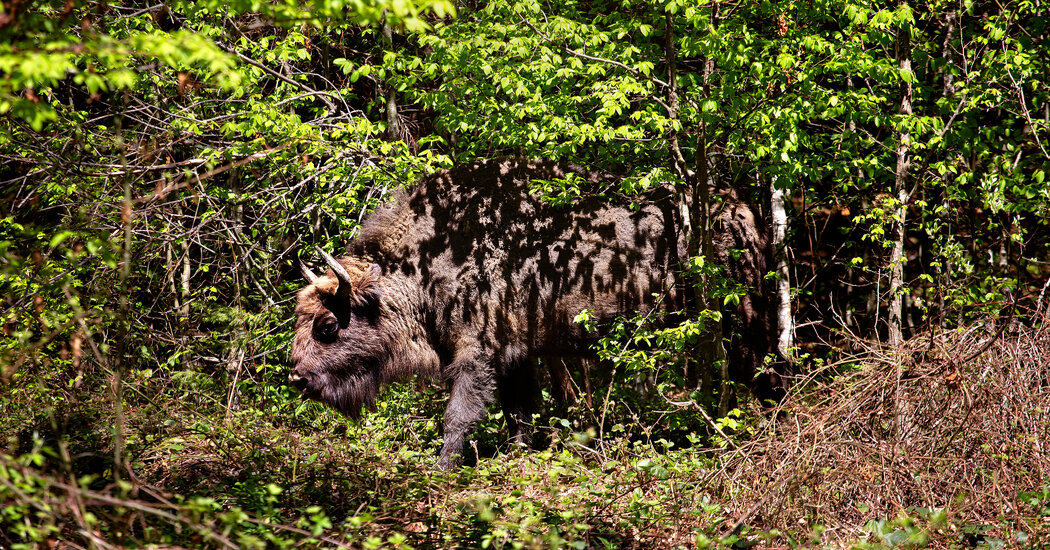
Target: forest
{"x":168,"y":168}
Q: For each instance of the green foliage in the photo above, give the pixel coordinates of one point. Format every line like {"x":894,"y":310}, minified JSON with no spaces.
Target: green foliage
{"x":802,"y":94}
{"x":164,"y":168}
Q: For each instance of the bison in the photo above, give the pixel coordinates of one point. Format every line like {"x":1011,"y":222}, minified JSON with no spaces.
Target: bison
{"x":470,"y":276}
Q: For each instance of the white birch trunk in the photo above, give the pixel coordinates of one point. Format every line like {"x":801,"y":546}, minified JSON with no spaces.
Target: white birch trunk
{"x":785,"y":320}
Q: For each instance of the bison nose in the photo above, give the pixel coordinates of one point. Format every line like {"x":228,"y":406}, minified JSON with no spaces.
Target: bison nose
{"x":300,"y":379}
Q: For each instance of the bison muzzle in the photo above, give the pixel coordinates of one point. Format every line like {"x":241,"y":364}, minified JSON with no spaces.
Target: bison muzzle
{"x":470,"y":276}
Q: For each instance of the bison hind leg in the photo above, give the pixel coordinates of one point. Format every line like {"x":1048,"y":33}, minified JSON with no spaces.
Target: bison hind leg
{"x":519,"y":394}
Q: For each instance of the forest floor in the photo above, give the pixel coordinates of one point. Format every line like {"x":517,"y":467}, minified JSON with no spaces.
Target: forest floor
{"x":940,"y":444}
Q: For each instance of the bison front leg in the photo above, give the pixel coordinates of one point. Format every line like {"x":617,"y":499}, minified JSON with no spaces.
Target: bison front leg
{"x":472,"y":391}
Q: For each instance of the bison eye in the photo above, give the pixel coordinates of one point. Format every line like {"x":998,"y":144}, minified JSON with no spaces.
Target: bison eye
{"x":326,"y":327}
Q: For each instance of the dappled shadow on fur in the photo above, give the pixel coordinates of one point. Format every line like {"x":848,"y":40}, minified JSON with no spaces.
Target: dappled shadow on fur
{"x":516,"y":270}
{"x":955,"y":420}
{"x":471,"y":275}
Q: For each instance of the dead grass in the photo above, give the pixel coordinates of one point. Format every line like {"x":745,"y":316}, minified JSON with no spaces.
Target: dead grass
{"x":958,"y":421}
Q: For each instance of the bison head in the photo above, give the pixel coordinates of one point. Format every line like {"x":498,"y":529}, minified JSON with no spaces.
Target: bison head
{"x":340,"y":348}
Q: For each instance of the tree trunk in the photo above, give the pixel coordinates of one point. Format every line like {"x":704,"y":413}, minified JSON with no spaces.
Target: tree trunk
{"x":896,"y":264}
{"x":712,"y":351}
{"x":694,"y":201}
{"x":184,"y":280}
{"x":119,"y":366}
{"x":785,"y":321}
{"x":235,"y":357}
{"x":393,"y":127}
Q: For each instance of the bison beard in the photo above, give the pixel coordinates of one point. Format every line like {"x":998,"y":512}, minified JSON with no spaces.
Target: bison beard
{"x":350,"y":395}
{"x":470,"y":277}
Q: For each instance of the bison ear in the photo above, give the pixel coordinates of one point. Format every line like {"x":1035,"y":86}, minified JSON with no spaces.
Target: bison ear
{"x":368,"y":291}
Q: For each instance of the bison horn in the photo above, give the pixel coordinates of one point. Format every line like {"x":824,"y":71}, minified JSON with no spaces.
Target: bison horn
{"x":310,"y":277}
{"x":340,"y":271}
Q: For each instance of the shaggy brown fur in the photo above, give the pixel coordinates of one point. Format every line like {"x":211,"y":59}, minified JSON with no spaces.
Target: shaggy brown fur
{"x":469,"y":276}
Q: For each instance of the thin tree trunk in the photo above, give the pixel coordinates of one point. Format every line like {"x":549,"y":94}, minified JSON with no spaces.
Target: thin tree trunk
{"x":393,"y":127}
{"x":125,"y":312}
{"x":712,"y":351}
{"x":235,"y":358}
{"x":694,"y":202}
{"x":785,"y":321}
{"x":896,"y":264}
{"x":184,"y":305}
{"x":684,"y":189}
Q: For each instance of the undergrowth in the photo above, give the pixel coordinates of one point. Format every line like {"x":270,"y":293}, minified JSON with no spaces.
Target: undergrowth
{"x":938,"y":444}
